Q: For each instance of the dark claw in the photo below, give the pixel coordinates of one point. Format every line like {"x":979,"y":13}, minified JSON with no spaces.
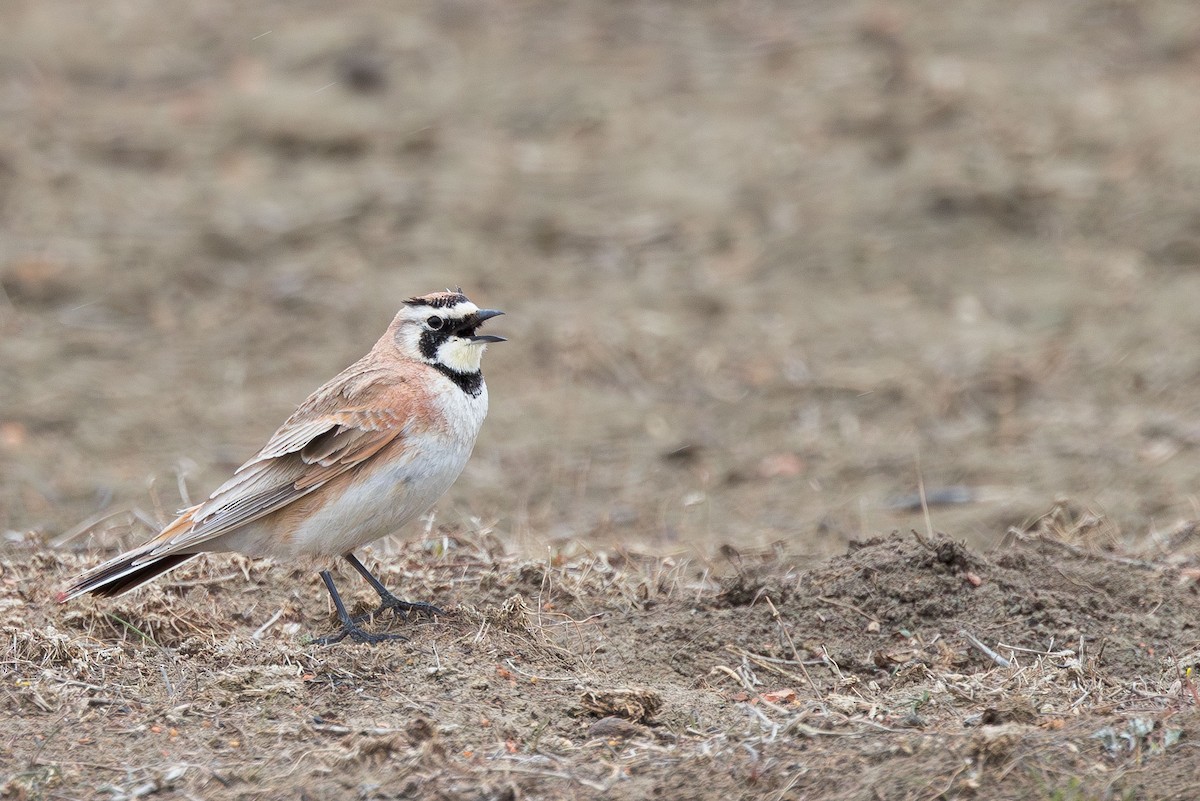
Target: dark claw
{"x":400,"y":607}
{"x":356,"y":634}
{"x":350,"y":627}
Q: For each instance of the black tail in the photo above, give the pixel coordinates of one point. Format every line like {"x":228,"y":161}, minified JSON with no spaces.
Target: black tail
{"x":122,"y":575}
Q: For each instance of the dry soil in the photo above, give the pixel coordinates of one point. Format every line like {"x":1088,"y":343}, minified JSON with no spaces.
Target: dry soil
{"x":773,"y":272}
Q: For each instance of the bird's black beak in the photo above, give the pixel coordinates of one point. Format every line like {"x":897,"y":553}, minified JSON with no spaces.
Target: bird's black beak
{"x":479,"y":317}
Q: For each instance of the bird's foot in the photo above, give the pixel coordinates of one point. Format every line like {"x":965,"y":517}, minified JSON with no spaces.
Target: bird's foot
{"x":352,"y":630}
{"x":400,"y":607}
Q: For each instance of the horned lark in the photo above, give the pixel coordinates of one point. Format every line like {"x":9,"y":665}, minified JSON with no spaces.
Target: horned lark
{"x":365,"y":454}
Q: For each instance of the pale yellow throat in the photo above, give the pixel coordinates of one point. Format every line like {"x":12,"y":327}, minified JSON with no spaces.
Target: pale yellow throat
{"x":461,"y":355}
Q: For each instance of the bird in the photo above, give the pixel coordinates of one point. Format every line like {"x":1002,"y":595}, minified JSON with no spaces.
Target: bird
{"x":371,"y":450}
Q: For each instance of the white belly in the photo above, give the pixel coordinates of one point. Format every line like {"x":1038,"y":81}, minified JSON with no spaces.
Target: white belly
{"x":383,"y":500}
{"x":380,"y":502}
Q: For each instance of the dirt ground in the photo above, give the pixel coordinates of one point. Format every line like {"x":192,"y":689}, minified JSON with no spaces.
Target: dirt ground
{"x":772,"y":272}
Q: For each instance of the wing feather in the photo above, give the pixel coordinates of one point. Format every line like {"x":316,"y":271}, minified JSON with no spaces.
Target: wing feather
{"x":335,"y":430}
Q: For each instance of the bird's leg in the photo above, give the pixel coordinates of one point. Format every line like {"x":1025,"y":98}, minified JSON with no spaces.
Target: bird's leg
{"x":387,"y":600}
{"x":349,"y":626}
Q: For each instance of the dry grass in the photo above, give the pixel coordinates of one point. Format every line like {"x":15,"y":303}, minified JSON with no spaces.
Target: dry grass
{"x":614,"y":675}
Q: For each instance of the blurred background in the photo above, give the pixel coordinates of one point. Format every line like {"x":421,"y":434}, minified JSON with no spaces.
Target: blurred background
{"x":765,"y":264}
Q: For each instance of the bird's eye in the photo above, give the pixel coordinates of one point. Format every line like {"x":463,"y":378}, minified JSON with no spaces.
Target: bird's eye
{"x":435,"y":323}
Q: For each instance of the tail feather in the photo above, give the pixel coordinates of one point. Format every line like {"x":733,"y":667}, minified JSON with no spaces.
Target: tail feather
{"x":121,"y":575}
{"x":131,"y":569}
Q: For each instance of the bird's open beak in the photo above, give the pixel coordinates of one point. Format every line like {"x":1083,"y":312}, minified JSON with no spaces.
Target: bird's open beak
{"x":480,"y":317}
